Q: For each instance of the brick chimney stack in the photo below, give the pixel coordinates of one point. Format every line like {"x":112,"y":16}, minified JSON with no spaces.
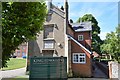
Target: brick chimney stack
{"x":49,"y":4}
{"x":66,"y":14}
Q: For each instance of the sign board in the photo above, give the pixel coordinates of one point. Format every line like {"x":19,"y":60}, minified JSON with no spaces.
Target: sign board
{"x":48,"y":68}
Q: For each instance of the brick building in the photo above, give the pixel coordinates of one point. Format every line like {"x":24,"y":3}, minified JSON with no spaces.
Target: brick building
{"x":61,"y":38}
{"x":21,"y":52}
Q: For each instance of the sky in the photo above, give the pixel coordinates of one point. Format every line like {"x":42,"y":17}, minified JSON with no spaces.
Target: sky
{"x":105,"y":12}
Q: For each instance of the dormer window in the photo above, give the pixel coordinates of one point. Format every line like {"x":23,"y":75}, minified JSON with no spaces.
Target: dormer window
{"x":80,"y":37}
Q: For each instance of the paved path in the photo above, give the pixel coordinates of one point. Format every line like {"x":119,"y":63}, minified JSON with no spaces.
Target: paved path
{"x":87,"y":79}
{"x":13,"y":73}
{"x":98,"y":73}
{"x":118,"y":71}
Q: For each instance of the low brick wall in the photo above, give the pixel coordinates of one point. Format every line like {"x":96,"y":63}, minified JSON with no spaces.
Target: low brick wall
{"x":114,"y":71}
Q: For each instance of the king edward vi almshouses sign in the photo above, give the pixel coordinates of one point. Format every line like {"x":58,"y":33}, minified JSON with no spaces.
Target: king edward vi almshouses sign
{"x":48,"y":68}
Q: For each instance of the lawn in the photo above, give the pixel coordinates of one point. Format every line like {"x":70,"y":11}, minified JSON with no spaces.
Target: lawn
{"x":17,"y":78}
{"x":20,"y":78}
{"x":15,"y":63}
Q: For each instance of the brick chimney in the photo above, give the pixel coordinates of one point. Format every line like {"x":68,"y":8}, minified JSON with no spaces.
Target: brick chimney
{"x":49,"y":4}
{"x":66,"y":14}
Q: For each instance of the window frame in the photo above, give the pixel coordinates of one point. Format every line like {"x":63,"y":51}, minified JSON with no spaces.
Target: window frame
{"x":73,"y":60}
{"x":79,"y":38}
{"x":48,"y":26}
{"x":53,"y":42}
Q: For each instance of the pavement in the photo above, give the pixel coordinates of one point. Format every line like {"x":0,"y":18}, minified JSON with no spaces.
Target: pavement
{"x":118,"y":71}
{"x":21,"y":72}
{"x":13,"y":73}
{"x":87,"y":79}
{"x":98,"y":73}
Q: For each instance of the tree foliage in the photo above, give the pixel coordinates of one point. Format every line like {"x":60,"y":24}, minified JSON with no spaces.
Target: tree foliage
{"x":96,"y":41}
{"x":21,"y":21}
{"x":112,"y":44}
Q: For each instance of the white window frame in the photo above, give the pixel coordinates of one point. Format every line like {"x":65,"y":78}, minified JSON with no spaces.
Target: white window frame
{"x":79,"y":56}
{"x":79,"y":39}
{"x":48,"y":45}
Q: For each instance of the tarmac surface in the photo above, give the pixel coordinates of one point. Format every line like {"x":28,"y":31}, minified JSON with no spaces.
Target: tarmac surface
{"x":13,"y":73}
{"x":98,"y":73}
{"x":21,"y":72}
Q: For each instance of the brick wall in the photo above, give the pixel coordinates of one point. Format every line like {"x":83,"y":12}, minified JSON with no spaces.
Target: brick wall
{"x":78,"y":68}
{"x":82,"y":69}
{"x":70,"y":31}
{"x":87,"y":38}
{"x":22,"y":51}
{"x":114,"y":70}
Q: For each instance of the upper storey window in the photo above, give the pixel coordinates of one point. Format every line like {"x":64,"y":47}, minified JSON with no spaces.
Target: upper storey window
{"x":48,"y":36}
{"x":48,"y":31}
{"x":80,"y":38}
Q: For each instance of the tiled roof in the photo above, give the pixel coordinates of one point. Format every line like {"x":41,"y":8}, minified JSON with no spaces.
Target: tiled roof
{"x":83,"y":26}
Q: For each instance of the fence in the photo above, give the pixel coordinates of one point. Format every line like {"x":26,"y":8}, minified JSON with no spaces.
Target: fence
{"x":47,"y":68}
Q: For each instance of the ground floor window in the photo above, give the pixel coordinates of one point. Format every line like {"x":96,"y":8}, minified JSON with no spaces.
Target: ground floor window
{"x":79,"y":58}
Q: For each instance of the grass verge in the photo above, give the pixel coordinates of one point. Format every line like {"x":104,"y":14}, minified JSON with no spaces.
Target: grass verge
{"x":15,"y":63}
{"x":16,"y":78}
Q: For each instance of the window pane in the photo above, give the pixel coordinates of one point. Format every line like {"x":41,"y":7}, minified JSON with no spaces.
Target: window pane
{"x":49,"y":44}
{"x":48,"y":31}
{"x":83,"y":60}
{"x":75,"y":57}
{"x":80,"y":37}
{"x":81,"y":54}
{"x":79,"y":57}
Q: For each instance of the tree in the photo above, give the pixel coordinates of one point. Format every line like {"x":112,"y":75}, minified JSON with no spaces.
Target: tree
{"x":20,"y":23}
{"x":0,"y":25}
{"x":112,"y":44}
{"x":96,"y":41}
